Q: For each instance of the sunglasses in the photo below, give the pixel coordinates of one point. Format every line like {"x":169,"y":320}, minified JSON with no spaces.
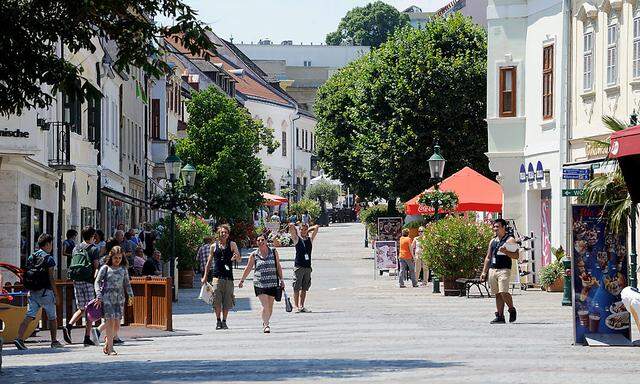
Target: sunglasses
{"x":261,"y":240}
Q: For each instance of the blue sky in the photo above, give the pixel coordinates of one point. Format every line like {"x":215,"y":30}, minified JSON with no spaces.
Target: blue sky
{"x":298,"y":20}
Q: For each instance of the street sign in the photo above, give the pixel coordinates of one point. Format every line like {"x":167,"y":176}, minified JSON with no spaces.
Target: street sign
{"x":571,"y":192}
{"x":576,"y":174}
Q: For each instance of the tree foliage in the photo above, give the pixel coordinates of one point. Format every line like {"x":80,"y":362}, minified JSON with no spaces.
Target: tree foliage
{"x":370,"y":25}
{"x":31,"y":58}
{"x":222,"y":143}
{"x":378,"y":118}
{"x":323,"y":191}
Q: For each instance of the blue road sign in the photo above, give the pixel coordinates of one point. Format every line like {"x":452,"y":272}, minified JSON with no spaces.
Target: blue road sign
{"x":576,"y":174}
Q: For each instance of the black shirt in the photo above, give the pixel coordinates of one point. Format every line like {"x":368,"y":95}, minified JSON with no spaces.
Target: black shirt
{"x":303,"y":252}
{"x":499,"y":261}
{"x":150,"y":267}
{"x":222,"y":264}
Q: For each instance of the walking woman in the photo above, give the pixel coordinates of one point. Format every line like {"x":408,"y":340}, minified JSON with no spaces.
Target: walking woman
{"x":110,"y":286}
{"x":265,"y":278}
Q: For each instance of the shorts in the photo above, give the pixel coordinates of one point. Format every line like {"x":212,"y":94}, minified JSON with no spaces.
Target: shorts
{"x":499,"y":280}
{"x":223,"y":293}
{"x":84,"y":293}
{"x":301,"y":278}
{"x":44,"y":299}
{"x":271,"y":291}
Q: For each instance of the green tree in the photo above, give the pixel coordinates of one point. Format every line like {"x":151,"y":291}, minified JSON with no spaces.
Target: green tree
{"x":370,"y":25}
{"x":30,"y":58}
{"x":222,"y":143}
{"x":378,"y":118}
{"x":324,"y":192}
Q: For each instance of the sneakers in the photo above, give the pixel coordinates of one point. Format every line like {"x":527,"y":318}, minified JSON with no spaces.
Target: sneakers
{"x":218,"y":324}
{"x":498,"y":320}
{"x":224,"y":324}
{"x":305,"y":310}
{"x":66,"y":333}
{"x":512,"y":314}
{"x":118,"y":341}
{"x":19,"y":343}
{"x":403,"y":286}
{"x":88,"y":342}
{"x":56,"y":344}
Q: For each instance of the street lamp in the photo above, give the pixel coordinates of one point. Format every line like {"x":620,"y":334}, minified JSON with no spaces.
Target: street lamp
{"x":188,"y":174}
{"x":436,"y":169}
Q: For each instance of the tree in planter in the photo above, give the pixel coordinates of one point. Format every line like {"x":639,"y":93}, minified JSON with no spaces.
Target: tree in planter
{"x":307,"y":205}
{"x":551,"y":273}
{"x":324,"y":192}
{"x":457,"y":246}
{"x":445,"y":201}
{"x":379,"y":116}
{"x":369,"y":216}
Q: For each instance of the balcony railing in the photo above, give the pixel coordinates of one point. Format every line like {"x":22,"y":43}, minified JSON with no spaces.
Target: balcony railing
{"x":60,"y":146}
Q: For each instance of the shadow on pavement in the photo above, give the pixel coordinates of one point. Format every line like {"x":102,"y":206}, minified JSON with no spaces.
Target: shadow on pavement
{"x":173,"y":371}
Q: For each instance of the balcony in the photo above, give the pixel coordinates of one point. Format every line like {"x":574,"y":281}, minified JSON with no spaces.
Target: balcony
{"x":506,"y":135}
{"x":60,"y":146}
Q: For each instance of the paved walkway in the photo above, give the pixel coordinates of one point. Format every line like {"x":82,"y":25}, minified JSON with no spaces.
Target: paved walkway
{"x":361,"y":330}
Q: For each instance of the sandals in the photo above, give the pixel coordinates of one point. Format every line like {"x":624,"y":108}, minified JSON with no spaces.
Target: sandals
{"x":107,"y":352}
{"x":266,"y":329}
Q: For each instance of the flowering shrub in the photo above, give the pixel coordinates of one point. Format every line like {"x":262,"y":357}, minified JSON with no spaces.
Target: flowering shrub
{"x":446,"y":201}
{"x":455,"y":246}
{"x":190,"y":232}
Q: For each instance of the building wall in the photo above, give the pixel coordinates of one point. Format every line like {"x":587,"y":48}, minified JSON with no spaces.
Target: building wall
{"x":296,"y":55}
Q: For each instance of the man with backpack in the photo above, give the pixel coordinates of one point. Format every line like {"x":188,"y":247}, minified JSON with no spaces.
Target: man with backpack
{"x":85,"y":261}
{"x":39,"y":279}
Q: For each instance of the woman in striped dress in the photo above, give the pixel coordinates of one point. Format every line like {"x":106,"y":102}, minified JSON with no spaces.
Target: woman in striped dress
{"x":265,"y":278}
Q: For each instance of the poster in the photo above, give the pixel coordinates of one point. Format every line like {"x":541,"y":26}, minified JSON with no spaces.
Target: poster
{"x":386,"y":254}
{"x":389,"y":228}
{"x":599,"y":275}
{"x":545,"y":226}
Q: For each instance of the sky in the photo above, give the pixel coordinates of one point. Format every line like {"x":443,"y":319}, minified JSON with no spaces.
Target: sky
{"x":303,"y":21}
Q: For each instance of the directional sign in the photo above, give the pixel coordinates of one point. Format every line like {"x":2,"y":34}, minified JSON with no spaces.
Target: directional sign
{"x":576,"y":174}
{"x":572,"y":192}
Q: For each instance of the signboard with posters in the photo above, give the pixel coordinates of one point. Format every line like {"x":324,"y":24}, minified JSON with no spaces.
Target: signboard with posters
{"x":598,"y":276}
{"x":389,"y":228}
{"x":386,"y":254}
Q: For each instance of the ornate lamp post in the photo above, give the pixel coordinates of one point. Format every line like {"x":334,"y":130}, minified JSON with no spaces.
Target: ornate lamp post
{"x":633,"y":213}
{"x":436,"y":169}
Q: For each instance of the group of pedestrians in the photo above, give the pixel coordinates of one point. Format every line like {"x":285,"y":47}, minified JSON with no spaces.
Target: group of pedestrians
{"x":100,"y":271}
{"x":268,"y":278}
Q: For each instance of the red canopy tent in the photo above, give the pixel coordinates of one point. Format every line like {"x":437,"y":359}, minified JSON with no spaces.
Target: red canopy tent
{"x":475,"y":193}
{"x":272,"y":200}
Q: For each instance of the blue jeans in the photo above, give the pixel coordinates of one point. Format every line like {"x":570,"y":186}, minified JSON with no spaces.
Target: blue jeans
{"x":407,"y":265}
{"x":44,"y":299}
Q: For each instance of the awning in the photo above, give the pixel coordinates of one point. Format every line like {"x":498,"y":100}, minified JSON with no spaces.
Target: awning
{"x":625,"y":147}
{"x":475,"y":193}
{"x":106,"y":191}
{"x":272,"y":200}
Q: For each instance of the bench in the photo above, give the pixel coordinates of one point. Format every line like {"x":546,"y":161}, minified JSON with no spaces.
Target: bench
{"x":467,"y":284}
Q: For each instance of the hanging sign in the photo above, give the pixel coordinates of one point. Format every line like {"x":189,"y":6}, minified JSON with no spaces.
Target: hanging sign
{"x":531,"y":175}
{"x":571,"y":192}
{"x":539,"y":171}
{"x":523,"y":174}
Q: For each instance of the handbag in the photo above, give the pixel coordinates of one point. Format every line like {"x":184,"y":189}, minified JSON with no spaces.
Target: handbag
{"x":92,"y":310}
{"x":287,"y":302}
{"x":206,"y":293}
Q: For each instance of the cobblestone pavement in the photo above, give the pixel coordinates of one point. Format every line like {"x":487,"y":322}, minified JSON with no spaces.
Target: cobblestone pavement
{"x":361,"y":330}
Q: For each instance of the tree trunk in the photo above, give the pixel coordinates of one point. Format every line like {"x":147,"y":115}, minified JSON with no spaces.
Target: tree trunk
{"x":391,"y":207}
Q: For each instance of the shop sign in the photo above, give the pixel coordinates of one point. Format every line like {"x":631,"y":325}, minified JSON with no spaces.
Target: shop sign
{"x":539,"y":171}
{"x":576,"y":174}
{"x":599,"y":274}
{"x":385,"y":255}
{"x":523,"y":174}
{"x":572,"y":192}
{"x":15,"y":133}
{"x":389,"y":228}
{"x":531,"y":175}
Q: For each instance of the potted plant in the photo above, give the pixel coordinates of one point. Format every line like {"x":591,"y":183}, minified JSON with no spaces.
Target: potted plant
{"x":551,"y":275}
{"x":457,"y":247}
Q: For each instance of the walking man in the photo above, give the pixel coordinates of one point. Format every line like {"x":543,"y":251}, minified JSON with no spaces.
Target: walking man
{"x":40,"y":281}
{"x":302,"y":264}
{"x":498,"y":265}
{"x":203,"y":253}
{"x":222,"y":254}
{"x":416,"y":251}
{"x":68,"y":245}
{"x":406,"y":260}
{"x":84,"y":264}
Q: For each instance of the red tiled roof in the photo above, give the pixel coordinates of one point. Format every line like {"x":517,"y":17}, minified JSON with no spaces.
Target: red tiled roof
{"x":245,"y":84}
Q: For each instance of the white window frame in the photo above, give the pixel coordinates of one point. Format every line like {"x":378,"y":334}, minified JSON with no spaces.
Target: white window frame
{"x":636,"y":44}
{"x":587,"y":58}
{"x":613,"y":35}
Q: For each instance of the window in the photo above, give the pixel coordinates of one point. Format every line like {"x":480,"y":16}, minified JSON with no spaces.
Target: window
{"x":636,"y":46}
{"x":507,"y":92}
{"x":587,"y":54}
{"x":297,"y":138}
{"x":155,"y":118}
{"x":38,"y":226}
{"x":307,"y":63}
{"x":25,"y":234}
{"x":72,"y":110}
{"x":284,"y":143}
{"x":612,"y":52}
{"x":93,"y":117}
{"x":547,"y":82}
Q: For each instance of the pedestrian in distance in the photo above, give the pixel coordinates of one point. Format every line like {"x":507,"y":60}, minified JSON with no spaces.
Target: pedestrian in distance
{"x":303,"y":243}
{"x":111,"y":284}
{"x":68,"y":245}
{"x":222,"y":254}
{"x":138,"y":261}
{"x":203,"y":253}
{"x":83,"y":268}
{"x":416,"y":252}
{"x":267,"y":283}
{"x":406,"y":260}
{"x":40,"y":281}
{"x":502,"y":250}
{"x":153,"y":266}
{"x":305,"y":218}
{"x":100,"y":242}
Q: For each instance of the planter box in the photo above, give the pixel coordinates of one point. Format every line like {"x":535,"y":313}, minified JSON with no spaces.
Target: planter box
{"x":557,"y":286}
{"x":185,"y":279}
{"x":451,"y":288}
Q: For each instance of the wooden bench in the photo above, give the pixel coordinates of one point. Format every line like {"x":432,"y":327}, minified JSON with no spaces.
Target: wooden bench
{"x":467,"y":284}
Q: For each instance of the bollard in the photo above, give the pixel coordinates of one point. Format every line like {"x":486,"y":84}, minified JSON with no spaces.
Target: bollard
{"x":436,"y":284}
{"x":566,"y":298}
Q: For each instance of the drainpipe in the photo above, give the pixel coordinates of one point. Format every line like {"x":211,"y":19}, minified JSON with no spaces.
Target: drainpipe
{"x":565,"y":117}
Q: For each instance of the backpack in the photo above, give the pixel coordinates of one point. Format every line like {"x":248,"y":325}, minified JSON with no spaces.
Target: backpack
{"x":36,"y":275}
{"x":81,"y":267}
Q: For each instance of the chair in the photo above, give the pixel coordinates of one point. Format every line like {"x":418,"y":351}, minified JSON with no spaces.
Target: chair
{"x":467,"y":284}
